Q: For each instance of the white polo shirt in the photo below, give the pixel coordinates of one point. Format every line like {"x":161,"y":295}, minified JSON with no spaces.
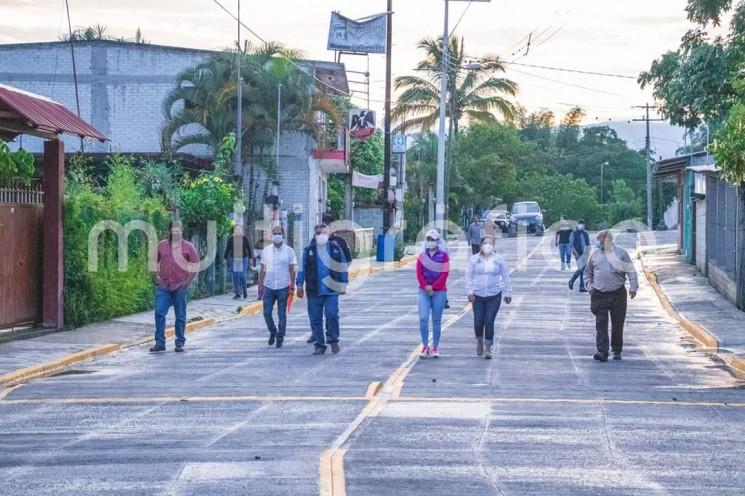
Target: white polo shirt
{"x":277,"y":263}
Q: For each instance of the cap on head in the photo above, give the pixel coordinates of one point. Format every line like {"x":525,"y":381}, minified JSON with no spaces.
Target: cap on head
{"x":433,"y":234}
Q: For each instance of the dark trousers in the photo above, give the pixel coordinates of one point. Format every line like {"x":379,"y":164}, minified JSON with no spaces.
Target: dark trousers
{"x":603,"y":304}
{"x":475,"y":248}
{"x":485,"y":310}
{"x":164,"y":299}
{"x":324,"y":306}
{"x":280,"y":296}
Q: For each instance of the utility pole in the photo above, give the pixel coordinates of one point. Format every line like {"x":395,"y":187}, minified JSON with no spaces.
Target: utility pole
{"x":648,"y":158}
{"x":440,"y":193}
{"x":602,"y":184}
{"x":387,"y":129}
{"x":441,"y":200}
{"x":279,"y":122}
{"x":239,"y":107}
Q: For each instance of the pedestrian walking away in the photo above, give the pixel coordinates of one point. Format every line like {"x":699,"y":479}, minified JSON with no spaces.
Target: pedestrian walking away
{"x":323,"y":276}
{"x":474,"y":235}
{"x":608,"y":269}
{"x":177,"y":265}
{"x":487,"y":279}
{"x":563,"y":234}
{"x":579,"y":241}
{"x":276,"y":283}
{"x":432,"y":270}
{"x":238,"y":254}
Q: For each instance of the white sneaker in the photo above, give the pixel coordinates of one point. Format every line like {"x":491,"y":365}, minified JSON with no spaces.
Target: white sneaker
{"x":424,"y":353}
{"x":435,"y":353}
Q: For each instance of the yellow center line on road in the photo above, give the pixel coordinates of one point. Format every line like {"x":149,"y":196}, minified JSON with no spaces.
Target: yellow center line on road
{"x":331,"y":468}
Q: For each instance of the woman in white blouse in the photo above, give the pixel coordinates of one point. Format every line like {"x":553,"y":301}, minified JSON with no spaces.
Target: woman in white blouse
{"x":487,"y":279}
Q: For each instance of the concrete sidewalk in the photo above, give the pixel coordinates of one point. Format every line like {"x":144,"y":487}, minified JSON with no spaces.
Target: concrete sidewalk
{"x":690,"y":295}
{"x":47,"y":353}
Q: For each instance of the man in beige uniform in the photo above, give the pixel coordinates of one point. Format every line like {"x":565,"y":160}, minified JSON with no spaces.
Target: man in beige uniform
{"x":605,"y":276}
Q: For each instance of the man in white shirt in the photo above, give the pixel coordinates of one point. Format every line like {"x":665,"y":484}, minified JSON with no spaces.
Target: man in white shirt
{"x":487,"y":280}
{"x":277,"y":283}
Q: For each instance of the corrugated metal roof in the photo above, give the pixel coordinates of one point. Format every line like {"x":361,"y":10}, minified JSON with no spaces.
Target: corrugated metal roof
{"x":46,"y":115}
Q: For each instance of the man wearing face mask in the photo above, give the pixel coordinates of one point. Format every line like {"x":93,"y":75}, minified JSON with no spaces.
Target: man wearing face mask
{"x":487,"y":278}
{"x":276,"y":283}
{"x":607,"y":271}
{"x":579,"y":241}
{"x":323,"y":275}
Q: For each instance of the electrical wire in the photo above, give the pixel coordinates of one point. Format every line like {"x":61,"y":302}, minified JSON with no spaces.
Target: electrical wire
{"x":575,"y":71}
{"x":460,"y":18}
{"x":295,"y":64}
{"x":568,"y":84}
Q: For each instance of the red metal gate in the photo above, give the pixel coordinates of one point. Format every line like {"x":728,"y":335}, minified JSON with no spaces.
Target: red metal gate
{"x":21,"y":218}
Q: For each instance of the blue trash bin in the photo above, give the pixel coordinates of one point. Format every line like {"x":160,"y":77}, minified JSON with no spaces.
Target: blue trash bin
{"x":386,"y":248}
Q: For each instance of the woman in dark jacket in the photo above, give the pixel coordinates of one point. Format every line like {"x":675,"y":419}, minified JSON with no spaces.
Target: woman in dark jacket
{"x":237,"y":255}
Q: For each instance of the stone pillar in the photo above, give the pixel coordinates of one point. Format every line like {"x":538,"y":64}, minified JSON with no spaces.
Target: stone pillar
{"x":52,"y":265}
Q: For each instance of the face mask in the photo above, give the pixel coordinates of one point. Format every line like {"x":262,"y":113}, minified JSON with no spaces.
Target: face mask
{"x":581,"y":227}
{"x":277,"y":238}
{"x":599,"y":245}
{"x":488,"y":249}
{"x":431,"y":245}
{"x":322,"y":239}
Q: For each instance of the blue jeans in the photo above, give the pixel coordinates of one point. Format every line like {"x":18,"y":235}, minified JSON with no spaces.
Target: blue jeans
{"x":485,"y":310}
{"x":318,"y":308}
{"x":580,"y":272}
{"x":431,"y":305}
{"x":164,"y":298}
{"x":280,"y":296}
{"x":565,"y":253}
{"x":239,"y":267}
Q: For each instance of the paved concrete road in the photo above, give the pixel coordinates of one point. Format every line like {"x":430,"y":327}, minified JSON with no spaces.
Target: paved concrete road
{"x":233,"y":416}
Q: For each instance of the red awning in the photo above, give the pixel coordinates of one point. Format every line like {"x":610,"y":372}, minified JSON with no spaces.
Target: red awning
{"x":39,"y":115}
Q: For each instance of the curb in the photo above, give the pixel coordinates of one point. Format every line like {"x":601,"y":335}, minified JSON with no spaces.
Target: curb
{"x":697,"y":331}
{"x":48,"y":368}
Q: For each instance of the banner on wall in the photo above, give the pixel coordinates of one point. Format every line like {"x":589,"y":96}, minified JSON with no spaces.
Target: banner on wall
{"x":361,"y":123}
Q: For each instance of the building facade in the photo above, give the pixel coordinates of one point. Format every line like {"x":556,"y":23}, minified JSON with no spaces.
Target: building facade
{"x":121,"y":88}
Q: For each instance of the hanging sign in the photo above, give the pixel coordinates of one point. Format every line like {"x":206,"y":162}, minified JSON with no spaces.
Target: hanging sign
{"x":361,"y":123}
{"x":367,"y":36}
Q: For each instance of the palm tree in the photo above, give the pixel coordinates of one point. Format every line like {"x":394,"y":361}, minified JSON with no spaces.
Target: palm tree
{"x":202,"y":108}
{"x":474,"y":93}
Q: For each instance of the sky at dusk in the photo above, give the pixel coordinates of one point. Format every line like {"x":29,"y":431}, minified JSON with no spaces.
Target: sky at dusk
{"x":598,"y":35}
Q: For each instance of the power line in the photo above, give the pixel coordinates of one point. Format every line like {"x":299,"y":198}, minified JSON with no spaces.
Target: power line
{"x":297,"y":66}
{"x":461,"y":18}
{"x":576,"y":71}
{"x":568,"y":84}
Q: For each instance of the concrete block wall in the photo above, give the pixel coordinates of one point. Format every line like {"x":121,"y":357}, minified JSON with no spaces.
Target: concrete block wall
{"x":121,"y":87}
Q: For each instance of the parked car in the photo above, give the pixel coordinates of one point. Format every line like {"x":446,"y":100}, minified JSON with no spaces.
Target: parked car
{"x":526,"y":216}
{"x":500,"y":218}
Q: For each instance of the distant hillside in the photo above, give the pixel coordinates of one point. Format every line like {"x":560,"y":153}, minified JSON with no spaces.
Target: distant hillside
{"x":665,"y":138}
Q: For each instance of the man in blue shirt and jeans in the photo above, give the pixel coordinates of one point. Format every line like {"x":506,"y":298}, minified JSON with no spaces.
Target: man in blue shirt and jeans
{"x":324,"y":276}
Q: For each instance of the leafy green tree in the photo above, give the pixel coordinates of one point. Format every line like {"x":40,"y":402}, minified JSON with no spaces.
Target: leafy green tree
{"x":562,"y":195}
{"x":729,"y":146}
{"x":476,"y":93}
{"x":625,"y":203}
{"x":15,"y":166}
{"x":367,"y":158}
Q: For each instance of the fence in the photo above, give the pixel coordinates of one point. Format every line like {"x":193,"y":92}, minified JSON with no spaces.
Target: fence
{"x":725,"y":223}
{"x":32,"y":194}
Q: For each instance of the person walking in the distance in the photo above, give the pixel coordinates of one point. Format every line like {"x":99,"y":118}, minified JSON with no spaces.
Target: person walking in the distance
{"x":432,"y":269}
{"x":607,"y":270}
{"x":177,"y":265}
{"x":276,"y":283}
{"x":323,"y":276}
{"x":487,"y":279}
{"x":238,"y":254}
{"x":579,"y":241}
{"x":474,"y":235}
{"x":563,"y":234}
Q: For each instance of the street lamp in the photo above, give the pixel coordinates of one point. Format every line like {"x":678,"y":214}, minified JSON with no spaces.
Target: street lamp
{"x":441,"y":200}
{"x":602,"y":174}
